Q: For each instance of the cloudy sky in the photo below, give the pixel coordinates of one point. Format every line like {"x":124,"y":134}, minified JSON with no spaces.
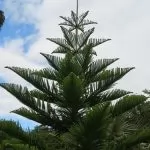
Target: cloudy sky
{"x":30,"y":22}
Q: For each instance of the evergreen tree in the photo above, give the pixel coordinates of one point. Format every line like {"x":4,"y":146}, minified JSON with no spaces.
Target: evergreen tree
{"x":75,"y":97}
{"x":14,"y":137}
{"x":71,"y":85}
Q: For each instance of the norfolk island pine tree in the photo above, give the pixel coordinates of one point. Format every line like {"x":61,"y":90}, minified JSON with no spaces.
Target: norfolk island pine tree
{"x":74,"y":95}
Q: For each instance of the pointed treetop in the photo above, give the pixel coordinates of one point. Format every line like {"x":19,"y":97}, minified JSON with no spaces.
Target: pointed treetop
{"x":76,"y":21}
{"x":77,"y":10}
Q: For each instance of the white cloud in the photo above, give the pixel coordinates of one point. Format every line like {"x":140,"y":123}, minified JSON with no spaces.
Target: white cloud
{"x":126,"y":22}
{"x":7,"y":102}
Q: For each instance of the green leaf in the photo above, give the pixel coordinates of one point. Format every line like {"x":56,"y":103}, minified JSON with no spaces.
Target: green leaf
{"x":36,"y":81}
{"x":97,"y":66}
{"x":83,"y":38}
{"x":32,"y":115}
{"x":106,"y":81}
{"x":68,"y":20}
{"x":105,"y":96}
{"x":74,"y":17}
{"x":53,"y":61}
{"x":96,"y":42}
{"x":21,"y":93}
{"x":72,"y":87}
{"x":127,"y":103}
{"x":140,"y":136}
{"x":24,"y":96}
{"x":70,"y":37}
{"x":61,"y":50}
{"x":87,"y":57}
{"x":88,"y":22}
{"x":47,"y":73}
{"x":91,"y":131}
{"x":15,"y":130}
{"x":110,"y":76}
{"x":42,"y":96}
{"x":60,"y":42}
{"x":82,"y":17}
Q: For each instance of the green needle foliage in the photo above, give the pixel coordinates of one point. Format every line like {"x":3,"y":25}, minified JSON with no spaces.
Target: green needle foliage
{"x":14,"y":130}
{"x":75,"y":95}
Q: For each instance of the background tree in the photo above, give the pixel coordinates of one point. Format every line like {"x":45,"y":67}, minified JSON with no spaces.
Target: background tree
{"x":16,"y":138}
{"x":2,"y":18}
{"x":141,"y":115}
{"x":74,"y":96}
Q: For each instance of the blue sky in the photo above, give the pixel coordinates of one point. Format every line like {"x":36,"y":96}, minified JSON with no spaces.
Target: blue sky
{"x":25,"y":123}
{"x":11,"y":31}
{"x":29,"y":22}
